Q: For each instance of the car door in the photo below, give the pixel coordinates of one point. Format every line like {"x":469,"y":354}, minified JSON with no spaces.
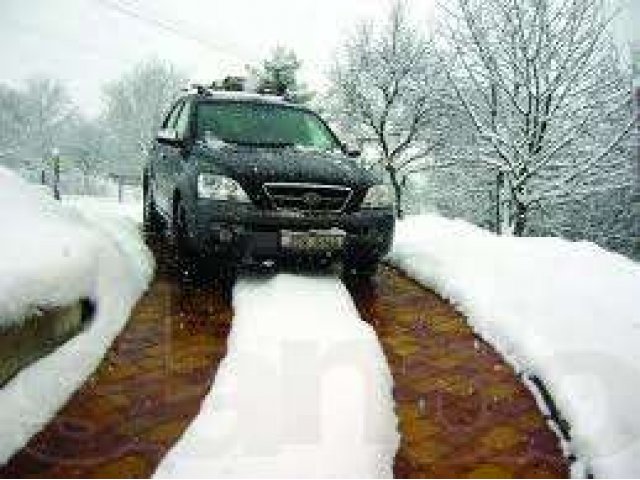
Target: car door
{"x":164,"y":157}
{"x":183,"y":135}
{"x":176,"y":157}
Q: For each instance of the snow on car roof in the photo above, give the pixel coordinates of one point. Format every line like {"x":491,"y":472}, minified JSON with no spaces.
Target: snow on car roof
{"x":243,"y":97}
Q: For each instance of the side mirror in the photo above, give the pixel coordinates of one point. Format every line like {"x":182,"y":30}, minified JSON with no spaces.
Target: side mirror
{"x":169,"y":136}
{"x":350,"y":151}
{"x":354,"y":153}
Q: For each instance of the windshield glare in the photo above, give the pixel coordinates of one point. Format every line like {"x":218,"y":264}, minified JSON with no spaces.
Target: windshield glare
{"x":263,"y":125}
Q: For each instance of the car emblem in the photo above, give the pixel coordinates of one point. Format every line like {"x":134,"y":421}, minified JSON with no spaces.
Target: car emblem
{"x":311,"y":199}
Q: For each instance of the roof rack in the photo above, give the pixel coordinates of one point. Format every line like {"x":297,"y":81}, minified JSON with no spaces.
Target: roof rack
{"x":199,"y":89}
{"x":228,"y":84}
{"x":232,"y":84}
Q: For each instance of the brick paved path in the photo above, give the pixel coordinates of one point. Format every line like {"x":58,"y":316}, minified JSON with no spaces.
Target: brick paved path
{"x":462,"y":411}
{"x":144,"y":394}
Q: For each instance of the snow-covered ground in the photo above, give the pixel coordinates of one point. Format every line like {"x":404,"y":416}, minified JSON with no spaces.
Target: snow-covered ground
{"x":106,"y":206}
{"x":53,"y":254}
{"x":568,"y":312}
{"x":304,"y":390}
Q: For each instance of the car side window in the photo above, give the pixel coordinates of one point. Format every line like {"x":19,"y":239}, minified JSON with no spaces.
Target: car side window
{"x":182,"y":122}
{"x":171,"y":119}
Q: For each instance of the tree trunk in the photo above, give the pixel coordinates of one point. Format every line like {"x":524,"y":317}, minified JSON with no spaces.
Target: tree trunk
{"x":56,"y":177}
{"x":397,"y":190}
{"x":519,"y":218}
{"x":506,"y":214}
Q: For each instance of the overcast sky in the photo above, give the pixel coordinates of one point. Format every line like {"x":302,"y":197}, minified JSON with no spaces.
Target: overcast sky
{"x":88,"y":42}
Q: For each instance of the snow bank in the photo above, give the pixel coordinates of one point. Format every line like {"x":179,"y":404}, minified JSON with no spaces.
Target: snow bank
{"x":567,"y":312}
{"x":51,"y":255}
{"x":131,"y":208}
{"x":304,"y":390}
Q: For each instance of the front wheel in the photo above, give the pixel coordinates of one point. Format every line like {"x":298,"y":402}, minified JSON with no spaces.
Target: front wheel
{"x":152,"y":223}
{"x":183,"y":257}
{"x":219,"y":271}
{"x":361,"y":269}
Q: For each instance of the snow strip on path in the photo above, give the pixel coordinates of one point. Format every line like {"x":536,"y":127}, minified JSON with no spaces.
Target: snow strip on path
{"x":304,"y":391}
{"x":568,"y":312}
{"x":52,"y":254}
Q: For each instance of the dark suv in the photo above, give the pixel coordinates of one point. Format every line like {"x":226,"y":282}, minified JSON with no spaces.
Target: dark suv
{"x":240,"y":178}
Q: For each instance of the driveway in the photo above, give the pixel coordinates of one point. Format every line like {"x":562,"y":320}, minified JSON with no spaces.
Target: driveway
{"x":463,"y":412}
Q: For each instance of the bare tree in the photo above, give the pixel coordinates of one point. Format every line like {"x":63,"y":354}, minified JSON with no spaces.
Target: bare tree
{"x":46,"y":111}
{"x":135,"y":104}
{"x":86,"y":149}
{"x":11,"y":121}
{"x":383,"y":87}
{"x":543,"y":87}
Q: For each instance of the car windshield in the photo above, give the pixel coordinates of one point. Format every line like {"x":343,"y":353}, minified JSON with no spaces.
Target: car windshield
{"x":262,"y":124}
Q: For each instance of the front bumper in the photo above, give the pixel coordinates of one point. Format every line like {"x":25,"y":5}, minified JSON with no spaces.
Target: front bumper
{"x":244,"y":233}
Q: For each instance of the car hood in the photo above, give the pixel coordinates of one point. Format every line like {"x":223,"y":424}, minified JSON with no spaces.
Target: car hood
{"x":254,"y":166}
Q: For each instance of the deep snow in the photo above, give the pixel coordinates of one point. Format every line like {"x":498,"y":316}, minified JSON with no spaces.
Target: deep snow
{"x":106,"y":207}
{"x":47,"y":255}
{"x":304,"y":390}
{"x":568,"y":312}
{"x":53,"y":254}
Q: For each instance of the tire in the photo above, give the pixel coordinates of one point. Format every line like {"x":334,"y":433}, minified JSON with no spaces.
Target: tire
{"x":184,"y":260}
{"x":152,"y":222}
{"x":361,"y":270}
{"x":220,"y":272}
{"x":220,"y":267}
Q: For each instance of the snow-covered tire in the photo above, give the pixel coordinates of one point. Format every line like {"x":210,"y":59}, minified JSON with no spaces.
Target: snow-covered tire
{"x":360,"y":270}
{"x":152,"y":222}
{"x":219,"y":268}
{"x":183,"y":258}
{"x":221,"y":272}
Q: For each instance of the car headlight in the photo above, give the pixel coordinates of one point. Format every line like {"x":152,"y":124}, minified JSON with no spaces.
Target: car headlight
{"x":378,"y":196}
{"x":219,"y":187}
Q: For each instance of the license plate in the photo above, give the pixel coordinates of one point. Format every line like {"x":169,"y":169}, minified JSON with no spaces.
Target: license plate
{"x":313,"y":240}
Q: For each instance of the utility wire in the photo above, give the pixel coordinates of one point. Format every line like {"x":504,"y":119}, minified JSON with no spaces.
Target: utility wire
{"x":129,"y":9}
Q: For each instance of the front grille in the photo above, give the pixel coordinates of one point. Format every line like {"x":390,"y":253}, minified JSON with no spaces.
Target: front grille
{"x":307,"y":197}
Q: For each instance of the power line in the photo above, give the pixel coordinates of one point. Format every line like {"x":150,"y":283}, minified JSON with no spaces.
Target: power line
{"x":129,"y":9}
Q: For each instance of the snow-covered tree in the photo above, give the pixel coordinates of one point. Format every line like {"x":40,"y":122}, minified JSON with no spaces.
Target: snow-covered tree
{"x":86,"y":149}
{"x":34,"y":122}
{"x":135,"y":105}
{"x":46,"y":112}
{"x":279,"y":74}
{"x":11,"y":123}
{"x":385,"y":88}
{"x":543,"y":87}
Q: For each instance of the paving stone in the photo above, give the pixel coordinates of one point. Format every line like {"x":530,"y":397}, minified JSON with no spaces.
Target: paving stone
{"x":142,"y":397}
{"x":462,"y":410}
